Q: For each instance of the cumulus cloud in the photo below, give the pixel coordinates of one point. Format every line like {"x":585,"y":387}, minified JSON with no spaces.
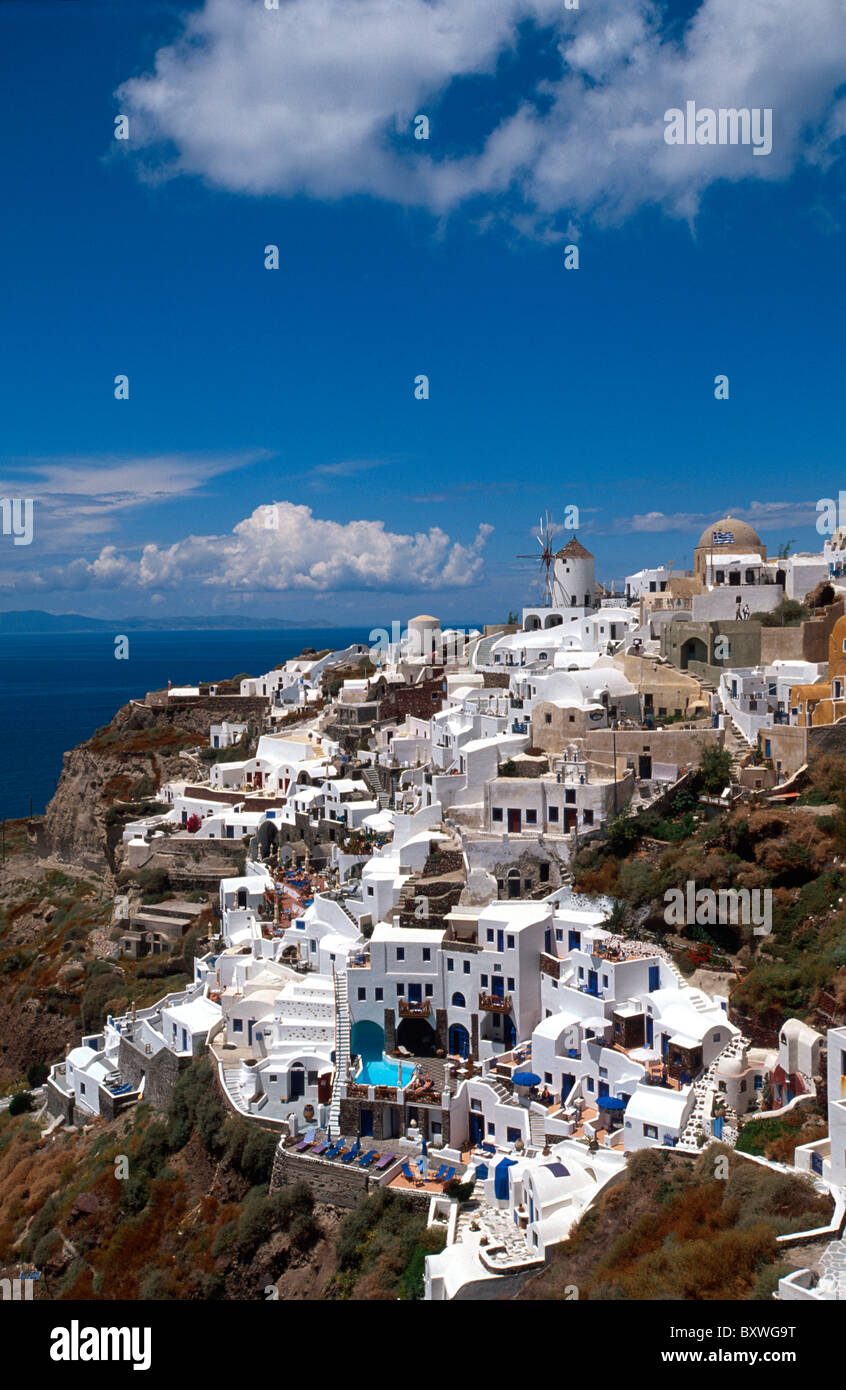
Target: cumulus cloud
{"x":314,"y":97}
{"x":281,"y":546}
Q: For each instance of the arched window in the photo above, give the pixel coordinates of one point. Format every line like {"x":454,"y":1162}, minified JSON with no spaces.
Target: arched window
{"x":459,"y":1002}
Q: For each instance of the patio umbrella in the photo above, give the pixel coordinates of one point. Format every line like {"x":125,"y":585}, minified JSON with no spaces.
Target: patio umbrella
{"x":423,"y":1166}
{"x":611,"y":1103}
{"x":425,"y":1147}
{"x":526,"y":1078}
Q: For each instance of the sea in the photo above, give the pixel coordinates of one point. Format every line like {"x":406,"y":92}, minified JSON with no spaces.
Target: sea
{"x":56,"y":689}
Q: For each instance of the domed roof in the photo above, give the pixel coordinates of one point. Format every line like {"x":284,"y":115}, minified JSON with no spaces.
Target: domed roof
{"x":731,"y":1066}
{"x":741,"y":533}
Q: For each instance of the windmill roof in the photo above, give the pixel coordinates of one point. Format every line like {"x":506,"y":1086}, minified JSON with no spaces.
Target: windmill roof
{"x":573,"y":550}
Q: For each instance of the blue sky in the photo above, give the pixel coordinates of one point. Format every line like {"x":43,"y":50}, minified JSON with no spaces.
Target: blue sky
{"x":548,"y":387}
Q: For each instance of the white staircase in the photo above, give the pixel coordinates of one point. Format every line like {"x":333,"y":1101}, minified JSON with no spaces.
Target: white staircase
{"x":537,"y":1128}
{"x":705,"y":1090}
{"x":342,"y":1049}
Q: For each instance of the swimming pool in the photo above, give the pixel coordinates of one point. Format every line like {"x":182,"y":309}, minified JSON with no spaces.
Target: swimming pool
{"x":383,"y":1071}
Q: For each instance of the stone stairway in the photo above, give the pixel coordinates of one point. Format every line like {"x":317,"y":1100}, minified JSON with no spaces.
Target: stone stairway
{"x":342,"y":1050}
{"x":832,"y":1271}
{"x":705,"y":1089}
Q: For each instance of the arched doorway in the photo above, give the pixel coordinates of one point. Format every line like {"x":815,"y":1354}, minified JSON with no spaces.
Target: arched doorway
{"x":298,"y":1080}
{"x":418,"y":1036}
{"x":694,"y":649}
{"x":459,"y":1040}
{"x":367,"y":1040}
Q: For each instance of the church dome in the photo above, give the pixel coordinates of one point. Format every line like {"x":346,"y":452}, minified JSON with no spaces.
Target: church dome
{"x":741,"y":533}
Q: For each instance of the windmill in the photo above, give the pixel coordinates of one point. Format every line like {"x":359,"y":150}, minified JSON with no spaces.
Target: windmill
{"x":546,"y":557}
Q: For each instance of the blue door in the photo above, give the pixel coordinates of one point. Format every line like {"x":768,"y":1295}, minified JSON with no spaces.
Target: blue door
{"x":665,"y":1044}
{"x":477,"y":1129}
{"x":459,"y":1040}
{"x":603,"y":1088}
{"x":568,"y":1081}
{"x":718,"y":1126}
{"x":366,"y":1124}
{"x":298,"y":1081}
{"x":415,"y":994}
{"x":649,"y":1031}
{"x":574,"y":941}
{"x":509,"y":1032}
{"x":500,"y":940}
{"x":593,"y":982}
{"x":654,"y":977}
{"x":547,"y":941}
{"x":498,"y":987}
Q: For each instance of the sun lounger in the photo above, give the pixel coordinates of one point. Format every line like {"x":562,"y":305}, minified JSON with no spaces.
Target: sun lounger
{"x":319,"y":1150}
{"x":408,"y":1175}
{"x":335,"y":1149}
{"x":368,"y":1158}
{"x":449,"y":1175}
{"x":353,"y":1153}
{"x":385,"y":1161}
{"x":306,"y":1141}
{"x":439,"y":1176}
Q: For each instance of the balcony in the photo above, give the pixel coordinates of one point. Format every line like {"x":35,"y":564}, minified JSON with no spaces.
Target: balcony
{"x":495,"y":1003}
{"x":419,"y":1008}
{"x":550,"y":965}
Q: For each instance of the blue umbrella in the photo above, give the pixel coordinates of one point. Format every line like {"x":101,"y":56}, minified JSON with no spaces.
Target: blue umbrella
{"x":526,"y":1078}
{"x":422,"y":1166}
{"x":611,"y":1103}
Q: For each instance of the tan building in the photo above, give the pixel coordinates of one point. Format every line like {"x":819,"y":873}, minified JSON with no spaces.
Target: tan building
{"x":825,"y":702}
{"x":726,"y":537}
{"x":664,"y":691}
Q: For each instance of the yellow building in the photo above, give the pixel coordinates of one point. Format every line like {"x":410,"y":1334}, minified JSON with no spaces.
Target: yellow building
{"x":824,"y":703}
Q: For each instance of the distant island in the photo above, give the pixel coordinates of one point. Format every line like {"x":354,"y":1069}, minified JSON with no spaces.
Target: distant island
{"x":35,"y":620}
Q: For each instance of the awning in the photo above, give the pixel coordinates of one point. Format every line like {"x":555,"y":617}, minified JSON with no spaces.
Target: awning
{"x":501,"y":1177}
{"x":611,"y":1103}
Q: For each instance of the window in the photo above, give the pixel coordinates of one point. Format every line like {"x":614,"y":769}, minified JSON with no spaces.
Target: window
{"x":400,"y":953}
{"x":490,"y":934}
{"x":587,"y":817}
{"x":543,"y":873}
{"x":483,"y":981}
{"x":590,"y":1084}
{"x":237,"y":1025}
{"x":370,"y":892}
{"x":450,"y":963}
{"x":547,"y":718}
{"x":509,"y":941}
{"x":475,"y":1105}
{"x":509,"y":984}
{"x":570,"y":796}
{"x":378,"y":994}
{"x":650,"y":1131}
{"x":362,"y":994}
{"x":400,"y":989}
{"x":496,"y":813}
{"x":603,"y":1071}
{"x":459,"y":1002}
{"x":467,"y":967}
{"x":547,"y":1076}
{"x":559,"y":935}
{"x":553,"y":813}
{"x":427,"y":953}
{"x":531,"y":817}
{"x":491,"y":1127}
{"x":512,"y":1135}
{"x":428,"y":991}
{"x":604,"y":981}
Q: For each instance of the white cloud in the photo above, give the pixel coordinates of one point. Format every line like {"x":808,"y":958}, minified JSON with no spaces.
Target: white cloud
{"x":78,"y":496}
{"x":299,"y":552}
{"x":764,"y":516}
{"x":311,"y":98}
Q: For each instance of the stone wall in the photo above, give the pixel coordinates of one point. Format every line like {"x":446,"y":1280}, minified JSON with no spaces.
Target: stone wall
{"x":161,"y":1070}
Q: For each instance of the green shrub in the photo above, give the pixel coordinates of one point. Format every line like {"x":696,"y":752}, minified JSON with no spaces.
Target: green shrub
{"x":21,"y":1103}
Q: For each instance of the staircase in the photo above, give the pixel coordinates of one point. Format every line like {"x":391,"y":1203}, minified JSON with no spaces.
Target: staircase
{"x":705,"y":1089}
{"x":342,"y":1051}
{"x":231,"y":1085}
{"x":381,"y":784}
{"x":537,"y":1128}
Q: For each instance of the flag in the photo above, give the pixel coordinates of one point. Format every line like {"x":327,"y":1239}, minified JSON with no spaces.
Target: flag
{"x":722,"y":537}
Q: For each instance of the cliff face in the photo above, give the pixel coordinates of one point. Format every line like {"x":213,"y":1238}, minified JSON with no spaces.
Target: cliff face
{"x":125,"y":761}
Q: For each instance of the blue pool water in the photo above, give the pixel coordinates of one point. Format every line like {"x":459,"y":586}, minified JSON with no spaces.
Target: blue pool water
{"x":383,"y":1071}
